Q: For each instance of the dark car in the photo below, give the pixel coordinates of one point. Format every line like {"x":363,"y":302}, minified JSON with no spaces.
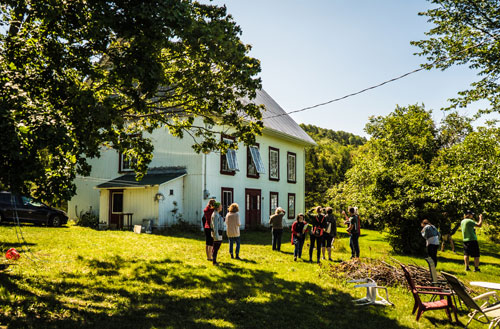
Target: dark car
{"x":29,"y":210}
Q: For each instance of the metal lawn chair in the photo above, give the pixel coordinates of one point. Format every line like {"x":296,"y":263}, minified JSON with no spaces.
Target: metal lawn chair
{"x":436,"y":282}
{"x":488,"y":313}
{"x":372,"y":295}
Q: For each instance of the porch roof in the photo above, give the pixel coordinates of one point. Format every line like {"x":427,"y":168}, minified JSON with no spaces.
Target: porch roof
{"x":150,"y":179}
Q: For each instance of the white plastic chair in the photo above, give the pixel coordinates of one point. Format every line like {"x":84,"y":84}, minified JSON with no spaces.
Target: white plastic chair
{"x":372,"y":295}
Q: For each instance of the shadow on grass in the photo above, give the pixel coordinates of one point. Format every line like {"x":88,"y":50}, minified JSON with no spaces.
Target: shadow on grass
{"x":167,"y":294}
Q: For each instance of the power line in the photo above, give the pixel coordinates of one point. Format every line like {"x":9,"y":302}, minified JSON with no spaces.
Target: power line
{"x":437,"y":61}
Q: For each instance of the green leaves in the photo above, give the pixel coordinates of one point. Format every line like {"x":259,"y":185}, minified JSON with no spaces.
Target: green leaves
{"x":466,"y":33}
{"x":410,"y":170}
{"x":75,"y":75}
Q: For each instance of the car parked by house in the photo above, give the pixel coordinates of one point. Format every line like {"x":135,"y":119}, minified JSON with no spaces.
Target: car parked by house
{"x":28,"y":210}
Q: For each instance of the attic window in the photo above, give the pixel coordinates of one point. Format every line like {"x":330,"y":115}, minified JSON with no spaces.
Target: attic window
{"x":229,"y":162}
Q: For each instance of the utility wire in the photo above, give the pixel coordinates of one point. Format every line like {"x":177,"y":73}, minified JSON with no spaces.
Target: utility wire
{"x":426,"y":66}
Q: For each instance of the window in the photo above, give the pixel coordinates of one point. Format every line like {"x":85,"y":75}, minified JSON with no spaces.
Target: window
{"x":255,"y":166}
{"x":291,"y":205}
{"x":227,"y":199}
{"x":124,"y":164}
{"x":273,"y":202}
{"x":228,"y":161}
{"x":274,"y":164}
{"x":291,"y":168}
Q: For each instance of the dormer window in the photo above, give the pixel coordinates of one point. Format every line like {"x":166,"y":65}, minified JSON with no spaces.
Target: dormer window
{"x":228,"y":161}
{"x":255,"y":166}
{"x":124,"y":164}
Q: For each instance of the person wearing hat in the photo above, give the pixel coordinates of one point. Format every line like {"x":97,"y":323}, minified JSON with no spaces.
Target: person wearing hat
{"x":471,"y":246}
{"x":276,"y":222}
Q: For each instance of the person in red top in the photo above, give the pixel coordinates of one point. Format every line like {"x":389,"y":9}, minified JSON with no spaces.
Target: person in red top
{"x":207,"y":217}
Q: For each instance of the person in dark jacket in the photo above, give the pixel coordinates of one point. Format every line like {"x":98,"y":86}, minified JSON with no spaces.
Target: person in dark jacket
{"x":318,"y":223}
{"x":276,"y":222}
{"x":299,"y":228}
{"x":330,"y":233}
{"x":354,"y":231}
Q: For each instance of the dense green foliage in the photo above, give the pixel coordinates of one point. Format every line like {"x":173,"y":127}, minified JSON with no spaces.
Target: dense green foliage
{"x":466,"y":32}
{"x":75,"y":75}
{"x":410,"y":170}
{"x":327,"y":163}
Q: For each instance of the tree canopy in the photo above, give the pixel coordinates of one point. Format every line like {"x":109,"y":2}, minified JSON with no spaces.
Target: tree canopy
{"x":77,"y":75}
{"x":412,"y":169}
{"x":466,"y":33}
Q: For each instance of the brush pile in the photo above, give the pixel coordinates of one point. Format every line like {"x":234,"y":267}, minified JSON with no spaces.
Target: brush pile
{"x":382,"y":272}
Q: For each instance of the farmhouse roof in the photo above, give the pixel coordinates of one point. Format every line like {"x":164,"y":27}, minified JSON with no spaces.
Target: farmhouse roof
{"x":276,"y":120}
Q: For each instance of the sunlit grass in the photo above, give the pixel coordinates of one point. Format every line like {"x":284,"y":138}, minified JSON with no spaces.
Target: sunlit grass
{"x":74,"y":277}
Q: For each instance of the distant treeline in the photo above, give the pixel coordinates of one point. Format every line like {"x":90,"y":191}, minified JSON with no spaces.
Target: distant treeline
{"x":327,"y":163}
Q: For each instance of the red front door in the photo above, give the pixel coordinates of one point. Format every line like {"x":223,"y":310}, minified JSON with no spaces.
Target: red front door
{"x":252,"y":208}
{"x":115,"y":208}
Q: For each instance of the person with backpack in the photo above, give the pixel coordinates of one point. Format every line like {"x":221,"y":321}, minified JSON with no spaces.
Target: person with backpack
{"x":318,"y":223}
{"x":354,"y":230}
{"x":330,"y":233}
{"x":299,"y":228}
{"x":431,"y":235}
{"x":206,"y":219}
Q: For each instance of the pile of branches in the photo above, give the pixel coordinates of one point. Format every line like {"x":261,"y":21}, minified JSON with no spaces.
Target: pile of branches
{"x":382,"y":272}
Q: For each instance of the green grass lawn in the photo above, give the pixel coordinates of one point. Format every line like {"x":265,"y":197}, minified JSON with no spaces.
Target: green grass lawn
{"x":82,"y":278}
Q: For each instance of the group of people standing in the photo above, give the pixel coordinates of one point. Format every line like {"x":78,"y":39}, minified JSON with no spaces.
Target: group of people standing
{"x":322,"y":229}
{"x":214,"y":226}
{"x":471,"y":247}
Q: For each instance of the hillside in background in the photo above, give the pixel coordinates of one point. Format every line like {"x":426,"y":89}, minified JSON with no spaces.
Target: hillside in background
{"x":327,"y":163}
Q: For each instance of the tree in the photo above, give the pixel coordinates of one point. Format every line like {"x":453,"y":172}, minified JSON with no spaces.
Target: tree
{"x":77,"y":75}
{"x":466,"y":32}
{"x":411,"y":170}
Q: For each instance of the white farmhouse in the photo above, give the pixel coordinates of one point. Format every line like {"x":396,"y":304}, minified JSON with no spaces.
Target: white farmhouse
{"x":179,"y":181}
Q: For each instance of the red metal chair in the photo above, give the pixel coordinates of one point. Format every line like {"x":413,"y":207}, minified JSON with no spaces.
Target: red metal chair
{"x":421,"y":307}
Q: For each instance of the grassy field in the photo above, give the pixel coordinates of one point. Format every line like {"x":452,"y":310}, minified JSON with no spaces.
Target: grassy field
{"x":81,"y":278}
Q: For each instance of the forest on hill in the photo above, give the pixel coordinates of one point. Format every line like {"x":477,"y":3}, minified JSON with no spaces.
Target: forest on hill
{"x":328,"y":162}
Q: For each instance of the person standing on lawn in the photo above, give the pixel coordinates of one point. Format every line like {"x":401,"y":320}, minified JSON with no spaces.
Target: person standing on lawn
{"x":354,"y":230}
{"x":330,"y":233}
{"x":298,"y":235}
{"x":233,"y":229}
{"x":447,"y":235}
{"x":318,"y":223}
{"x":217,"y":223}
{"x":431,"y":235}
{"x":471,"y":246}
{"x":207,"y":217}
{"x":276,"y":222}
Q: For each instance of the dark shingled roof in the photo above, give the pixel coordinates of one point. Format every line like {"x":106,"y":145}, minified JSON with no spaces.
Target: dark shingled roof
{"x":153,"y":177}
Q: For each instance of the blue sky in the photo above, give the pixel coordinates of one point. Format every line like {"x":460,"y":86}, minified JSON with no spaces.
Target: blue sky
{"x":317,"y":50}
